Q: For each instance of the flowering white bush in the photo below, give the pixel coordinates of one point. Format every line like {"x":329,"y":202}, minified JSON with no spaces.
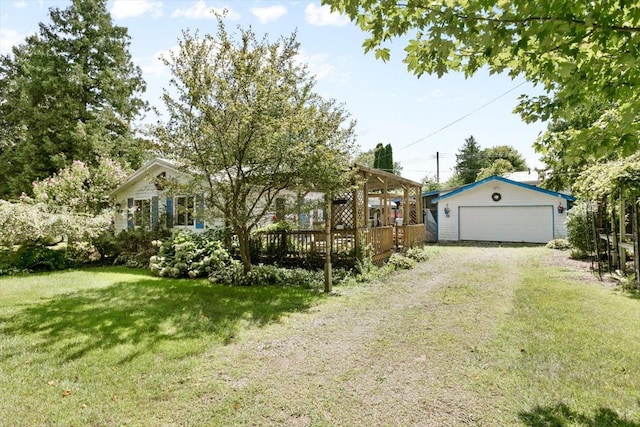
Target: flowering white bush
{"x":25,"y":222}
{"x":80,"y":188}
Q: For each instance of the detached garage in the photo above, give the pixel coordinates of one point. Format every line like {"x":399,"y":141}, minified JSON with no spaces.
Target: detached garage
{"x":497,"y":209}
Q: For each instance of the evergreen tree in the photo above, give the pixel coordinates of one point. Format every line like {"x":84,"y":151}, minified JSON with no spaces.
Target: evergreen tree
{"x":469,"y":160}
{"x":70,"y":92}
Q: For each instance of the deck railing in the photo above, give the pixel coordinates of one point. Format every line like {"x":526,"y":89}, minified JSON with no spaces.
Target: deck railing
{"x":298,"y":244}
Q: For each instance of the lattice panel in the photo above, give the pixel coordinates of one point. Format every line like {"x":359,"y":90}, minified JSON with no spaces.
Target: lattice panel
{"x":362,"y":209}
{"x":343,"y":211}
{"x":414,"y":193}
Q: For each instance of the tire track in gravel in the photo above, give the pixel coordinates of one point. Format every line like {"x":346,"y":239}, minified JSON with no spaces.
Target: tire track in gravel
{"x":403,"y":352}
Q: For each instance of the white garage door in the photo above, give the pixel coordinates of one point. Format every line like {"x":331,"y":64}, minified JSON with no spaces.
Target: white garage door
{"x":533,"y":224}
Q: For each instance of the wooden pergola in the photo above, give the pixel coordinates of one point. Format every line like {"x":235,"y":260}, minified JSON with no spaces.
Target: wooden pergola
{"x":357,"y":225}
{"x":394,"y":222}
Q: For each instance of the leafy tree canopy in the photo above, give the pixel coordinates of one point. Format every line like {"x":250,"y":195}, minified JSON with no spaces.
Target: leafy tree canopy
{"x":615,"y":178}
{"x":498,"y":167}
{"x":245,"y":122}
{"x":583,"y":53}
{"x":70,"y":92}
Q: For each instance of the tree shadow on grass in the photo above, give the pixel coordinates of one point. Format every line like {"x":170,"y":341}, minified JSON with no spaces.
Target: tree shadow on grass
{"x":148,"y":312}
{"x":561,"y":415}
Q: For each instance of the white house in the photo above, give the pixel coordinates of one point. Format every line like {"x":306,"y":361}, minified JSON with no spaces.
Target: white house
{"x":498,"y":209}
{"x":140,"y":202}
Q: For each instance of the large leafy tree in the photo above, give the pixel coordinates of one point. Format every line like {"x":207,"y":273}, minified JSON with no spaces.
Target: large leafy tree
{"x":244,"y":121}
{"x":583,"y":53}
{"x":70,"y":92}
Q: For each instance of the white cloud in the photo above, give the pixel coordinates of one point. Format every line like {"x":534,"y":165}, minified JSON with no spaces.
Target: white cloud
{"x":8,"y":39}
{"x":200,"y":10}
{"x":317,"y":65}
{"x":268,"y":14}
{"x":322,"y":16}
{"x":20,"y":4}
{"x":155,"y":66}
{"x":132,"y":8}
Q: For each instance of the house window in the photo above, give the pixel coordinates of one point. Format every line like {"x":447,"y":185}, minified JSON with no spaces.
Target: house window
{"x":142,"y":213}
{"x":184,"y":210}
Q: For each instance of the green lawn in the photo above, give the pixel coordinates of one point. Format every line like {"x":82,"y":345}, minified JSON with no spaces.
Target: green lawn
{"x":98,"y":346}
{"x":498,"y":337}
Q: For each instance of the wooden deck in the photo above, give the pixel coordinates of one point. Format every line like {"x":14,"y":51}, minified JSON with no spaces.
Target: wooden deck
{"x":380,"y":242}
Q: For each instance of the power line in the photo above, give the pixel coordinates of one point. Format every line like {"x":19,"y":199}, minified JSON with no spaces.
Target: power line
{"x":463,"y":117}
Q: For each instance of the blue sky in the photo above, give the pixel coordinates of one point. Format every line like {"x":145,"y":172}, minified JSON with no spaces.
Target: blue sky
{"x":390,"y":104}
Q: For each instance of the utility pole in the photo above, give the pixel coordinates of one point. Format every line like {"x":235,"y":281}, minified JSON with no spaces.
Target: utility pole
{"x":438,"y":167}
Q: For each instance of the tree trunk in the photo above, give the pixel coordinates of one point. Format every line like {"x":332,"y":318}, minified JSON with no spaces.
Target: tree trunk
{"x":245,"y":255}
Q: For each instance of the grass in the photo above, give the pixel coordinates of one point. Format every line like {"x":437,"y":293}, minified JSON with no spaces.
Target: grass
{"x":498,"y":337}
{"x":567,"y":353}
{"x":89,"y":347}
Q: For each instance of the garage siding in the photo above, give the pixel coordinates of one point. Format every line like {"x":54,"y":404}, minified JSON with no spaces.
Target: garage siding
{"x":532,"y":224}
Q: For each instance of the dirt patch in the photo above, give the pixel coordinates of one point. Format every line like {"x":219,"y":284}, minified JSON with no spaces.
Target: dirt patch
{"x":401,"y":352}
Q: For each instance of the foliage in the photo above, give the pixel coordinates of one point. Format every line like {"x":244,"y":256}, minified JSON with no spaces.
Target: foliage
{"x":367,"y":158}
{"x":269,"y":275}
{"x":68,"y":93}
{"x":188,"y":254}
{"x":498,"y":167}
{"x":582,"y":53}
{"x":560,"y":244}
{"x":419,"y":254}
{"x":555,"y":147}
{"x":383,"y":158}
{"x":474,"y":163}
{"x":579,"y":231}
{"x":430,"y":183}
{"x":617,"y":178}
{"x":504,"y":152}
{"x":79,"y":187}
{"x":400,"y":262}
{"x":469,"y":161}
{"x":35,"y":223}
{"x":247,"y":124}
{"x":132,"y":248}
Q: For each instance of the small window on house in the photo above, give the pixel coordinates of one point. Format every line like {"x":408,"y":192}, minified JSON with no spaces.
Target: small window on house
{"x":184,"y":210}
{"x":142,"y":213}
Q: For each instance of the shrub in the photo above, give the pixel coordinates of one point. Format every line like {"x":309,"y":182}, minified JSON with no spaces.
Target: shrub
{"x":187,"y":254}
{"x":578,"y":228}
{"x":400,"y":262}
{"x":268,"y":275}
{"x":418,"y":254}
{"x":560,"y":244}
{"x":41,"y":258}
{"x":133,"y":248}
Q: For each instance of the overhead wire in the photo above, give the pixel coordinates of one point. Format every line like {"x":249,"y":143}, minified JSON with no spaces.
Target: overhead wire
{"x":465,"y":116}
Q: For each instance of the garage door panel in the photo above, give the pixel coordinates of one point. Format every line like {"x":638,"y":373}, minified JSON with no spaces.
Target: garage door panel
{"x":532,"y":224}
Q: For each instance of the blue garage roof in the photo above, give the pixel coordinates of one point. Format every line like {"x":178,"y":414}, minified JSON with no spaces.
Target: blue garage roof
{"x":507,"y":181}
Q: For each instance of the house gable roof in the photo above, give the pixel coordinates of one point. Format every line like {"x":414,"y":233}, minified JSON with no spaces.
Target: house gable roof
{"x":506,"y":181}
{"x":144,"y":171}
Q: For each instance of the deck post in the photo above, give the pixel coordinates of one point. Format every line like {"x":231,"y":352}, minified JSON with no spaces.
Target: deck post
{"x":328,"y":282}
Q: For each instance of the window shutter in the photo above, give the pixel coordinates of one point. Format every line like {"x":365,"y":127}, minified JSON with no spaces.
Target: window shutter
{"x":129,"y":214}
{"x":199,"y":212}
{"x":169,"y":212}
{"x":154,"y":212}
